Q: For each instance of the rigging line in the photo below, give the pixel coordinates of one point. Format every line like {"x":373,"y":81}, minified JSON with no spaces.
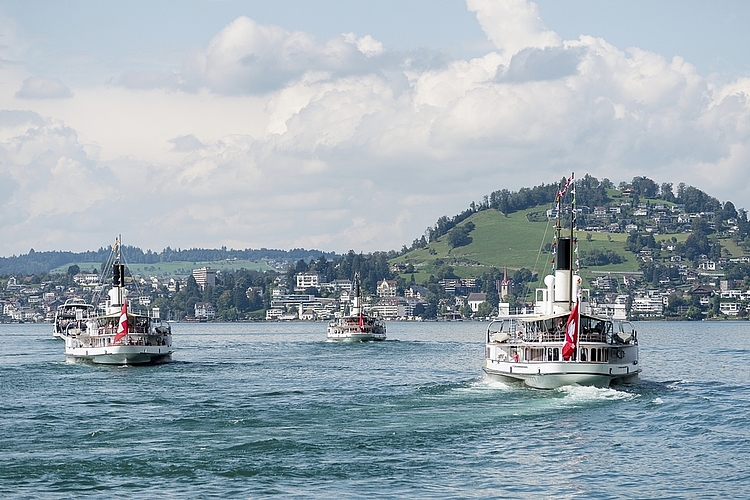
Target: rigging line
{"x":104,"y":276}
{"x":132,"y":276}
{"x":527,"y":286}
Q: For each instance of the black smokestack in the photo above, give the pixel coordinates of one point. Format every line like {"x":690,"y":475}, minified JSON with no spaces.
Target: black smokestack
{"x":563,"y":254}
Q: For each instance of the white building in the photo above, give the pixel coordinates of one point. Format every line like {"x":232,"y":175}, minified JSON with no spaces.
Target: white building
{"x":204,"y":310}
{"x":386,"y":288}
{"x":391,"y":307}
{"x":205,"y":277}
{"x":649,"y":304}
{"x":730,"y":308}
{"x":307,"y":280}
{"x":475,"y":299}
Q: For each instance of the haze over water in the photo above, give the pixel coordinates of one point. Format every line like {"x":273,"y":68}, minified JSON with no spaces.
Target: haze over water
{"x":256,"y":409}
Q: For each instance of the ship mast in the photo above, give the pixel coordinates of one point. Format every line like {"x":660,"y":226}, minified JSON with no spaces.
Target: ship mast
{"x":118,"y":274}
{"x":562,"y":267}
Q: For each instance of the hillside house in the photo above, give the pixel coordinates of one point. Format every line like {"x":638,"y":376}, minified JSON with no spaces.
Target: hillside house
{"x":307,"y":280}
{"x":204,"y":310}
{"x":391,"y":307}
{"x":387,"y":288}
{"x":474,"y":299}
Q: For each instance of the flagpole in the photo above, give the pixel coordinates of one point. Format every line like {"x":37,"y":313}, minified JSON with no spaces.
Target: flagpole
{"x":579,"y":295}
{"x":572,"y":223}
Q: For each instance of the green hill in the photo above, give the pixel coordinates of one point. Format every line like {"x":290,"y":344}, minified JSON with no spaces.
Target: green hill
{"x":516,"y":241}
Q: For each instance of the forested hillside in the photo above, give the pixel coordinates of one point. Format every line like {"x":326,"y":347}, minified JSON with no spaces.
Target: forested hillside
{"x":42,"y":262}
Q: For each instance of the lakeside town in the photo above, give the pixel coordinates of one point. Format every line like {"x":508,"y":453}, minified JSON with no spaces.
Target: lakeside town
{"x":688,"y":253}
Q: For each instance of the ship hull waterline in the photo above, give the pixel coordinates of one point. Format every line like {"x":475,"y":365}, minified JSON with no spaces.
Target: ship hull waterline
{"x":557,"y":375}
{"x":356,"y":337}
{"x":120,"y":355}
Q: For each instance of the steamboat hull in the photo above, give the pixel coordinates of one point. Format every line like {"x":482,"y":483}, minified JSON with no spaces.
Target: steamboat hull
{"x":120,"y":355}
{"x":553,"y":375}
{"x":356,"y":336}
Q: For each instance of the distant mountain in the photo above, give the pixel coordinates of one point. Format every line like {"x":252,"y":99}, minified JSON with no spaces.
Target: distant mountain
{"x":42,"y":262}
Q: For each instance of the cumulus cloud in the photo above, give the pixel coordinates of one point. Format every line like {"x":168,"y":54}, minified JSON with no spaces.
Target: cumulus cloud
{"x":49,"y":183}
{"x":249,"y":58}
{"x":513,"y":25}
{"x":351,"y":149}
{"x":549,"y":63}
{"x":43,"y":88}
{"x":185,"y":143}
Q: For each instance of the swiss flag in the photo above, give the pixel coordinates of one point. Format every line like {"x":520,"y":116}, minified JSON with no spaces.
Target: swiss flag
{"x":571,"y":334}
{"x":122,"y":329}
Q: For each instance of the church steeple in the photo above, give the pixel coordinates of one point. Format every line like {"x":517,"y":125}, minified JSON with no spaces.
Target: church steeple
{"x":505,"y":285}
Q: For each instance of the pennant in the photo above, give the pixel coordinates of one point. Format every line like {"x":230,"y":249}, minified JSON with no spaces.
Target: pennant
{"x":122,"y":329}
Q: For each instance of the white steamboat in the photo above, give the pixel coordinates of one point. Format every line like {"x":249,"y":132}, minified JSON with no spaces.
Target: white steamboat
{"x":357,"y":325}
{"x":120,"y":336}
{"x":561,"y":342}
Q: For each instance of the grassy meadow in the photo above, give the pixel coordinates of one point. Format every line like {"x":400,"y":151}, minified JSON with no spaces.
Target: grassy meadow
{"x":177,"y":269}
{"x":516,"y":241}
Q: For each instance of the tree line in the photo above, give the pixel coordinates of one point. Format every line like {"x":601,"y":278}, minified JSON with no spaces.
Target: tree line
{"x":40,"y":262}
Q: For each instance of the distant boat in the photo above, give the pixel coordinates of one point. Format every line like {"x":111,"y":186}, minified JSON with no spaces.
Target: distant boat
{"x":120,"y":336}
{"x":358,"y":325}
{"x":71,"y":317}
{"x":560,"y":342}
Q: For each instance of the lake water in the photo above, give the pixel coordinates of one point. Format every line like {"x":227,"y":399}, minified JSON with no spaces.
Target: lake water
{"x":256,"y":409}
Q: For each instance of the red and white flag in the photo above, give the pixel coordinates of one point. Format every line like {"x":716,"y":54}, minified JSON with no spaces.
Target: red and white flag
{"x":571,"y":334}
{"x":122,"y":328}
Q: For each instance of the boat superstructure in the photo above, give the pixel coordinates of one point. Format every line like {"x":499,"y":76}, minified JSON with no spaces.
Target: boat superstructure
{"x":71,"y":317}
{"x":561,"y":342}
{"x":357,"y":325}
{"x":121,"y":335}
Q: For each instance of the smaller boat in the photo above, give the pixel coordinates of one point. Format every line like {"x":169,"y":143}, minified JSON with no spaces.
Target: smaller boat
{"x":120,"y":336}
{"x":358,"y":325}
{"x":71,"y":317}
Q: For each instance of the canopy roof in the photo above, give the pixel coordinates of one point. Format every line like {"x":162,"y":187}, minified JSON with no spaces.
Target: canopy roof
{"x":559,"y":315}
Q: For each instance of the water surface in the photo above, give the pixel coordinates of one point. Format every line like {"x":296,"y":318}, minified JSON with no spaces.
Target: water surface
{"x":253,"y":409}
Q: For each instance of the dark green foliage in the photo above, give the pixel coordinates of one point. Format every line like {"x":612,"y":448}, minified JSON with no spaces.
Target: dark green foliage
{"x":644,"y":187}
{"x":596,"y":257}
{"x":638,"y":241}
{"x":459,"y":236}
{"x":695,"y":200}
{"x":736,"y":271}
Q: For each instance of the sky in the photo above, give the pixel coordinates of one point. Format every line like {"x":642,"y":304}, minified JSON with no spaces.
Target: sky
{"x":340,"y":125}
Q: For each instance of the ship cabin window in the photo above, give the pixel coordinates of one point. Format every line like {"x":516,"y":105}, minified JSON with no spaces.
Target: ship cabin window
{"x":553,"y":354}
{"x":584,"y":352}
{"x":595,"y":329}
{"x":537,"y":354}
{"x":598,"y":355}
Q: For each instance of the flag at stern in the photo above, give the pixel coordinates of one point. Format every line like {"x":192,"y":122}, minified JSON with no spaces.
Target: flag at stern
{"x":571,"y":333}
{"x":122,"y":328}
